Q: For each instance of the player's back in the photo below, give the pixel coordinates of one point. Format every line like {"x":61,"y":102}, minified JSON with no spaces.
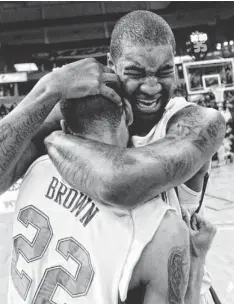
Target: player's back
{"x":67,"y":248}
{"x":161,"y":273}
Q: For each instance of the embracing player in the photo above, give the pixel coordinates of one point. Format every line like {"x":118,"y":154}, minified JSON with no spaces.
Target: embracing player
{"x":70,"y":248}
{"x":142,"y":52}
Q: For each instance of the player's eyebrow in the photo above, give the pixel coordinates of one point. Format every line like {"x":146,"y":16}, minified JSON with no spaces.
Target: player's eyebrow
{"x":134,"y":68}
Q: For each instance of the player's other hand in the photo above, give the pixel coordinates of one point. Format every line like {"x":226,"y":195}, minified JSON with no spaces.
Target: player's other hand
{"x":201,"y":232}
{"x":82,"y":78}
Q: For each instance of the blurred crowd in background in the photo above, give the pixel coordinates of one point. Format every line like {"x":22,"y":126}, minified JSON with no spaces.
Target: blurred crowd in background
{"x":4,"y":109}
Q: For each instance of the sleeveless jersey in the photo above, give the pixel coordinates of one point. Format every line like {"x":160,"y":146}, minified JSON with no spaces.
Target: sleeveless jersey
{"x":67,"y":248}
{"x":147,"y":219}
{"x":188,"y":198}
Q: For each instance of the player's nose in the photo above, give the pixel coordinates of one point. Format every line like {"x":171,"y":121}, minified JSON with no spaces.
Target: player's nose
{"x":151,"y":86}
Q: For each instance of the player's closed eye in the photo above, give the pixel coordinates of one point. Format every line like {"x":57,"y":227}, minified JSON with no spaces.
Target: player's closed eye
{"x":134,"y":74}
{"x":165,"y":73}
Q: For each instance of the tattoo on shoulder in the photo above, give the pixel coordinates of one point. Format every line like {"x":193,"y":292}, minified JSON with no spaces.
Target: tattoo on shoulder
{"x":193,"y":122}
{"x":178,"y":271}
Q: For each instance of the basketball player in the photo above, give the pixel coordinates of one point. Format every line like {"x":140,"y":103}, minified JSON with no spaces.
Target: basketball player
{"x":142,"y":54}
{"x":69,"y":248}
{"x":175,"y":140}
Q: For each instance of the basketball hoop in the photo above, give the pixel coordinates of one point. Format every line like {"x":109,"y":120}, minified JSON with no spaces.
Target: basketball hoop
{"x":218,"y":91}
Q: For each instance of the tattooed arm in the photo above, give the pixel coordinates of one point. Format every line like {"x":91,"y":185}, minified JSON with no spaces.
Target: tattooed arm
{"x":22,"y":131}
{"x":193,"y":292}
{"x":131,"y":176}
{"x":17,"y":130}
{"x":162,"y":272}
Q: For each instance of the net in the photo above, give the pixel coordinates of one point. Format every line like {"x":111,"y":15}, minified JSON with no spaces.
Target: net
{"x":218,"y":91}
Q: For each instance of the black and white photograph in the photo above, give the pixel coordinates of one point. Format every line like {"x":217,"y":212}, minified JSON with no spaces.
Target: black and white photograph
{"x":116,"y":152}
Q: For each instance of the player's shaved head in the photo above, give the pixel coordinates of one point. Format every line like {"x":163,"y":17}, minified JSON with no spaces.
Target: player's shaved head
{"x":91,"y":114}
{"x":140,"y":28}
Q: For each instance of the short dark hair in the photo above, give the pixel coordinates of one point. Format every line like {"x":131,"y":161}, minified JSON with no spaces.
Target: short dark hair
{"x":140,"y":27}
{"x":90,"y":114}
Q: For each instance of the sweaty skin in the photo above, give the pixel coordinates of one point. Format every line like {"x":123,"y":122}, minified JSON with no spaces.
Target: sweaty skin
{"x":130,"y":176}
{"x":162,"y":272}
{"x":127,"y":177}
{"x":174,"y":274}
{"x":103,"y":171}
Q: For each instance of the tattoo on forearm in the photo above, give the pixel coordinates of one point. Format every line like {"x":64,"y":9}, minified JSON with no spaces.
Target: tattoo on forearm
{"x":73,"y":169}
{"x":174,"y":158}
{"x":81,"y":163}
{"x":13,"y":134}
{"x":178,"y":272}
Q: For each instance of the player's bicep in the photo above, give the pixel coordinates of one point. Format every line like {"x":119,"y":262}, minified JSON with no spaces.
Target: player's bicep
{"x":204,"y":127}
{"x":28,"y":157}
{"x":177,"y":280}
{"x":169,"y":273}
{"x":178,"y":274}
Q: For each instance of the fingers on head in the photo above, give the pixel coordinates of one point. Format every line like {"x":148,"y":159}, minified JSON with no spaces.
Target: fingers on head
{"x":110,"y":94}
{"x":111,"y":80}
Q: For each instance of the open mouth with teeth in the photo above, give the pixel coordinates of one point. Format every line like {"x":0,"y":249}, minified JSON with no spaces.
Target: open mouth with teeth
{"x":148,"y":105}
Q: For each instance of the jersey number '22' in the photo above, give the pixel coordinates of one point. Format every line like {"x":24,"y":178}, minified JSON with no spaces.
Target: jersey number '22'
{"x":53,"y":277}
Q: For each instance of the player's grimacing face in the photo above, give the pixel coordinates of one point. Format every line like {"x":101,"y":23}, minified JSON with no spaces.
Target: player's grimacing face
{"x":147,"y":73}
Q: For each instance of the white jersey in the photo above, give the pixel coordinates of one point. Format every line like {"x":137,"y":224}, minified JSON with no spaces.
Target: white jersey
{"x":67,"y":248}
{"x":147,"y":219}
{"x":185,"y":196}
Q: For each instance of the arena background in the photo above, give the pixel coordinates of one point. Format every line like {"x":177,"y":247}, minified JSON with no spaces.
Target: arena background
{"x":36,"y":37}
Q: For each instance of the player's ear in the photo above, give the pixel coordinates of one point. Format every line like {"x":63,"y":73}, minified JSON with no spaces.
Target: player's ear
{"x":110,"y":62}
{"x":64,"y":126}
{"x":128,"y":111}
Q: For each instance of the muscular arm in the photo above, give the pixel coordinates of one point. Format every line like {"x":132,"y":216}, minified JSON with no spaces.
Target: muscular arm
{"x":182,"y":289}
{"x":193,"y":291}
{"x":166,"y":272}
{"x":164,"y":265}
{"x":17,"y":130}
{"x":130,"y":176}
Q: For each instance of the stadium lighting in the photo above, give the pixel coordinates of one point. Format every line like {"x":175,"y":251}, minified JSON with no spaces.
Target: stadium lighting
{"x":25,"y":67}
{"x":218,"y":46}
{"x":225,"y":43}
{"x":197,"y":36}
{"x":231,"y":42}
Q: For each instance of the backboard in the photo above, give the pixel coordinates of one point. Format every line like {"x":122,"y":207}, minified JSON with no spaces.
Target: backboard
{"x":201,"y":75}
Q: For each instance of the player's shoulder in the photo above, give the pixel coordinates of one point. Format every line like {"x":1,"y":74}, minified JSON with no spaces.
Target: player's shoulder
{"x":198,"y":111}
{"x":197,"y":117}
{"x":173,"y":226}
{"x":172,"y":233}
